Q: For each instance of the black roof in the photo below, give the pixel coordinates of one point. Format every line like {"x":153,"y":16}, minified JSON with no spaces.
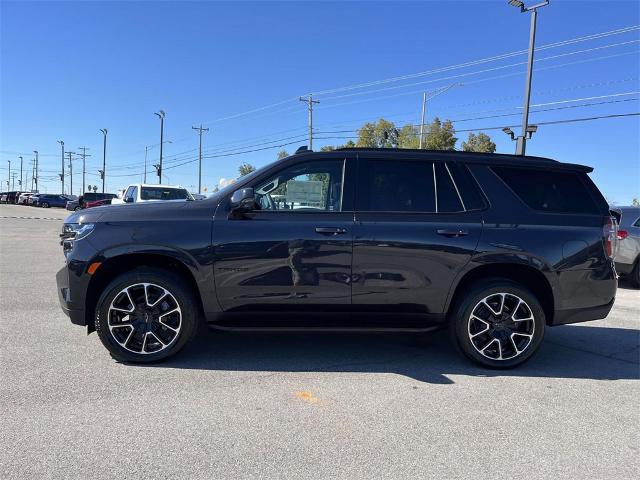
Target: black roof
{"x":466,"y":157}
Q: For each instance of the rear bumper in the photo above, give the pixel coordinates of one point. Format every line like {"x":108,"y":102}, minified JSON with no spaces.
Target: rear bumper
{"x":624,"y":268}
{"x":576,"y":315}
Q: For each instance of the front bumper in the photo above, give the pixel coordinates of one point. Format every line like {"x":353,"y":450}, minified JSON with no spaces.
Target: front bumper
{"x":74,"y":311}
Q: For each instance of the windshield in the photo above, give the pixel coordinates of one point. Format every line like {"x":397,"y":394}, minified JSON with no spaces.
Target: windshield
{"x":163,"y":193}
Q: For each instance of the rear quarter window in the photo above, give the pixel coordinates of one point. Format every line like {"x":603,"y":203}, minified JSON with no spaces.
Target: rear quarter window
{"x":550,"y":191}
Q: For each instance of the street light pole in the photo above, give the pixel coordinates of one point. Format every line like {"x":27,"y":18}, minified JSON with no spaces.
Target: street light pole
{"x":20,"y":181}
{"x":9,"y":178}
{"x":104,"y":156}
{"x":146,"y":149}
{"x":70,"y":172}
{"x":160,"y":115}
{"x":521,"y":141}
{"x":36,"y":169}
{"x":433,"y":94}
{"x":62,"y":174}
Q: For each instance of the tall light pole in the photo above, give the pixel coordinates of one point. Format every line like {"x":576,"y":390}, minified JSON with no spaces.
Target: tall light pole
{"x":429,"y":96}
{"x":521,"y":140}
{"x":70,"y":172}
{"x":9,"y":178}
{"x":161,"y":116}
{"x":20,"y":181}
{"x":36,"y":169}
{"x":200,"y":130}
{"x":62,"y":174}
{"x":310,"y":101}
{"x":103,"y":173}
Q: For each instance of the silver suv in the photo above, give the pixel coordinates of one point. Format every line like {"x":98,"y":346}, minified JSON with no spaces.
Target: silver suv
{"x":628,"y":252}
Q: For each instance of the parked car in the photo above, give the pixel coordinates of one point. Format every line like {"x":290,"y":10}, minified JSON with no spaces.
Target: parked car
{"x":24,"y":198}
{"x":628,"y":249}
{"x":74,"y":205}
{"x":47,"y":200}
{"x":198,"y":196}
{"x":98,"y":203}
{"x":32,"y":199}
{"x":495,"y":247}
{"x":10,"y":197}
{"x":141,"y":193}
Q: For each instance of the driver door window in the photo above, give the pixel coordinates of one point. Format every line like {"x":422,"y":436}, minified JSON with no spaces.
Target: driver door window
{"x":307,"y":187}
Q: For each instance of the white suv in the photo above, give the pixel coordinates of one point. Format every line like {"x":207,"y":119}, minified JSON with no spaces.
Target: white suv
{"x":140,"y":193}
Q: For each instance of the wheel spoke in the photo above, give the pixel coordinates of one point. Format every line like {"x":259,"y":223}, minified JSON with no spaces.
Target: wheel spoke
{"x":485,"y":329}
{"x":139,"y":338}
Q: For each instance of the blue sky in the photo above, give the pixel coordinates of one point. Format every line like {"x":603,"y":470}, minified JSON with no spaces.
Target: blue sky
{"x":71,"y":68}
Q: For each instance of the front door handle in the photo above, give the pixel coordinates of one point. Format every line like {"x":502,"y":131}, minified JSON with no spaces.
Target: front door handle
{"x":452,"y":233}
{"x":331,"y":230}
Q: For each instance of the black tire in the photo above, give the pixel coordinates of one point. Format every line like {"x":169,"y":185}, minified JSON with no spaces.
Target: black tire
{"x":77,"y":208}
{"x":463,"y":327}
{"x":635,"y":275}
{"x":179,"y":291}
{"x":44,"y":205}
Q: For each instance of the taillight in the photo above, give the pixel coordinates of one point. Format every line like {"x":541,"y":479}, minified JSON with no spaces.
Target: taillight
{"x":622,"y":234}
{"x":609,"y":236}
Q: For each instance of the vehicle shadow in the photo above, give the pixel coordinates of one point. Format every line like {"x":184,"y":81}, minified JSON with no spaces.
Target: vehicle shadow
{"x":572,"y":351}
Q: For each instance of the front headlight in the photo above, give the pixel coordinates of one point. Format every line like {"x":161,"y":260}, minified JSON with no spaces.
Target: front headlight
{"x":76,"y":231}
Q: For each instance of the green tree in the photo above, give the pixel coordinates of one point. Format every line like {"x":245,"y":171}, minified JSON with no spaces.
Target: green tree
{"x":479,"y":143}
{"x":440,"y":135}
{"x":245,"y":169}
{"x":635,"y":202}
{"x":282,"y":154}
{"x":327,"y":148}
{"x":381,"y":134}
{"x":409,"y":136}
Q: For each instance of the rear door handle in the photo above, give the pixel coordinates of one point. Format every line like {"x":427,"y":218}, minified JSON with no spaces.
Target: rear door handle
{"x":331,"y":230}
{"x":452,"y":233}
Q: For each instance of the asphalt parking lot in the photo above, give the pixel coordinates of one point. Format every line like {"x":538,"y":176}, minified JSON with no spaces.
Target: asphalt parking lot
{"x":301,"y":406}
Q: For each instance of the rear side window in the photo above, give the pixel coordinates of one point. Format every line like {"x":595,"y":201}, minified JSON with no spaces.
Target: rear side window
{"x":549,"y":191}
{"x":399,"y":186}
{"x":467,"y":186}
{"x":160,"y":193}
{"x":447,"y":192}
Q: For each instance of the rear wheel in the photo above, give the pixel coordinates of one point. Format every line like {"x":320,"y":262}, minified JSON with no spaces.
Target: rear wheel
{"x":635,"y":275}
{"x":498,"y":324}
{"x":44,"y":205}
{"x":77,"y":208}
{"x":146,"y":315}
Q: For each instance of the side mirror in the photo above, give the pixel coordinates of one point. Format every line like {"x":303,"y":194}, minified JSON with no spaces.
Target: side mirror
{"x":128,"y":200}
{"x":243,"y":200}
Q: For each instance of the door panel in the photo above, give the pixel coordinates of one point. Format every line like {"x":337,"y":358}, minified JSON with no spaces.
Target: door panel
{"x":279,"y":261}
{"x":401,"y":262}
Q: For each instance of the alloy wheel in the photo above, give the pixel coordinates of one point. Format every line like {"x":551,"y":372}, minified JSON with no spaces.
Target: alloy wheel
{"x":144,"y":318}
{"x":501,"y":326}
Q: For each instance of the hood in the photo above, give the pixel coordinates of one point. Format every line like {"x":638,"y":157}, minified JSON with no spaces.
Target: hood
{"x":130,"y":212}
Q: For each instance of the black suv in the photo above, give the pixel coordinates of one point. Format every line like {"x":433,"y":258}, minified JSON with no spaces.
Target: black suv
{"x":495,"y":247}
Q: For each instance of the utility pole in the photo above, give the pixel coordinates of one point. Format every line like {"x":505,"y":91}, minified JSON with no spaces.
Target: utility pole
{"x":161,"y":116}
{"x":9,"y":177}
{"x":200,"y":130}
{"x":521,"y":140}
{"x":62,"y":174}
{"x":70,"y":172}
{"x":146,"y":149}
{"x":310,"y":101}
{"x":426,"y":97}
{"x":104,"y":156}
{"x":84,"y":165}
{"x":36,"y":169}
{"x":20,"y":181}
{"x":13,"y":180}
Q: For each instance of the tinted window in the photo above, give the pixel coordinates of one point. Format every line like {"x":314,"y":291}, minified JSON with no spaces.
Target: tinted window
{"x":398,"y":186}
{"x":467,"y":186}
{"x":159,"y":193}
{"x":309,"y":186}
{"x":448,"y":198}
{"x":549,"y":191}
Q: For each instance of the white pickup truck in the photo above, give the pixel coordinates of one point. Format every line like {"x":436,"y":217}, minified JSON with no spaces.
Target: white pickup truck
{"x":140,"y":193}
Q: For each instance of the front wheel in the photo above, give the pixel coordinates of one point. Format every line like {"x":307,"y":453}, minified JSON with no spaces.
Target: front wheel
{"x":44,"y":205}
{"x":146,"y":315}
{"x":77,"y":208}
{"x":498,"y":324}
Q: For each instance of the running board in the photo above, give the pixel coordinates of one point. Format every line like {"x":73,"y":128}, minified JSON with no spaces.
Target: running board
{"x":317,"y":329}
